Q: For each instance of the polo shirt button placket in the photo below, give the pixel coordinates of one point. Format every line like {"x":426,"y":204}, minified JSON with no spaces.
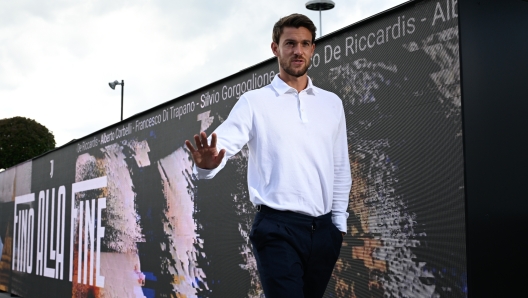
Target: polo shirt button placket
{"x":301,"y":107}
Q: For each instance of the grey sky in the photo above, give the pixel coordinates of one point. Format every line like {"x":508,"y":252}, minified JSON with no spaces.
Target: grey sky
{"x":57,"y":57}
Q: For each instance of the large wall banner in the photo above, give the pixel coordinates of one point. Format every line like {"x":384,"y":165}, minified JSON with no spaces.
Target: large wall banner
{"x":120,"y":214}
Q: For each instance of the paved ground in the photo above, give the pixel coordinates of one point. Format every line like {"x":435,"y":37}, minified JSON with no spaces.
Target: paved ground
{"x":5,"y":295}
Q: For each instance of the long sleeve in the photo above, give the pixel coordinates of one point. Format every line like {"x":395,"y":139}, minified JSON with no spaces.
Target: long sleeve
{"x":342,"y":177}
{"x":232,"y":135}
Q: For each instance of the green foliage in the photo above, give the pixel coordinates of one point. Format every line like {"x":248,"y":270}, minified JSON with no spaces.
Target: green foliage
{"x":22,"y":139}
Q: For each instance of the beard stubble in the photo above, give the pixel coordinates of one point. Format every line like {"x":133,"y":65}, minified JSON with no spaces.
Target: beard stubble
{"x":291,"y":71}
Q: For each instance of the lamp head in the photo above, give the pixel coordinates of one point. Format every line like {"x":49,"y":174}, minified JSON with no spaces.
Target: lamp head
{"x":320,"y":5}
{"x":113,"y":84}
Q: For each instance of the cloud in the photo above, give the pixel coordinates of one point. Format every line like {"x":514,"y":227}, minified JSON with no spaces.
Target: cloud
{"x":57,"y":57}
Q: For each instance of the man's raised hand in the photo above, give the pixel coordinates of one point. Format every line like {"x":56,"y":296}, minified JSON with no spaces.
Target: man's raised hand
{"x":205,"y":155}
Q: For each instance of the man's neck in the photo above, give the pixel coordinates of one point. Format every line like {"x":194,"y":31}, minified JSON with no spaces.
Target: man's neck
{"x":297,"y":83}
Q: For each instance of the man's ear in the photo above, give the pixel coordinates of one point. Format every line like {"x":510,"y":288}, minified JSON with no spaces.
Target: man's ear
{"x":274,"y":48}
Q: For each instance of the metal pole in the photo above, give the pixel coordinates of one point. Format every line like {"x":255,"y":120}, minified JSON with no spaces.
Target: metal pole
{"x":320,"y":22}
{"x":122,"y":90}
{"x":321,"y":5}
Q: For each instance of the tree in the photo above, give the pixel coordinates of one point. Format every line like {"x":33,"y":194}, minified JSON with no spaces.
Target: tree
{"x":22,"y":139}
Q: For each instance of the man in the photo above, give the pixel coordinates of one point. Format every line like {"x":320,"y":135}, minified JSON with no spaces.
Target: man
{"x":298,"y":169}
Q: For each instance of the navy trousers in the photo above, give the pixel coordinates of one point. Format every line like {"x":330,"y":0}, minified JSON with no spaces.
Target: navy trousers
{"x":295,"y":253}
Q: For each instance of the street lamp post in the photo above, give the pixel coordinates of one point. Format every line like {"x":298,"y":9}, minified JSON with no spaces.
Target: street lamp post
{"x":320,"y":5}
{"x":113,"y":85}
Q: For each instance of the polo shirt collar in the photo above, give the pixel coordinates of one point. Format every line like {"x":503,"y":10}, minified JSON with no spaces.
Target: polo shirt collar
{"x":282,"y":88}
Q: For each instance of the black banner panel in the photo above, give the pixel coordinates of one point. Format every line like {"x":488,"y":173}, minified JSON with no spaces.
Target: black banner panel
{"x":120,"y":214}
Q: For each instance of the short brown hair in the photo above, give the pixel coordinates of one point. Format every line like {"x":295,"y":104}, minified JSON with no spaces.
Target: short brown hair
{"x":294,"y":20}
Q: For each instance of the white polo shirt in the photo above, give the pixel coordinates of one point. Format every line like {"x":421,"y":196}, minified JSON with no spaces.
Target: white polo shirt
{"x":298,"y":152}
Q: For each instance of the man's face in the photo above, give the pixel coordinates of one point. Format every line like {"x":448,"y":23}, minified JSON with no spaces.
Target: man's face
{"x":294,"y":50}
